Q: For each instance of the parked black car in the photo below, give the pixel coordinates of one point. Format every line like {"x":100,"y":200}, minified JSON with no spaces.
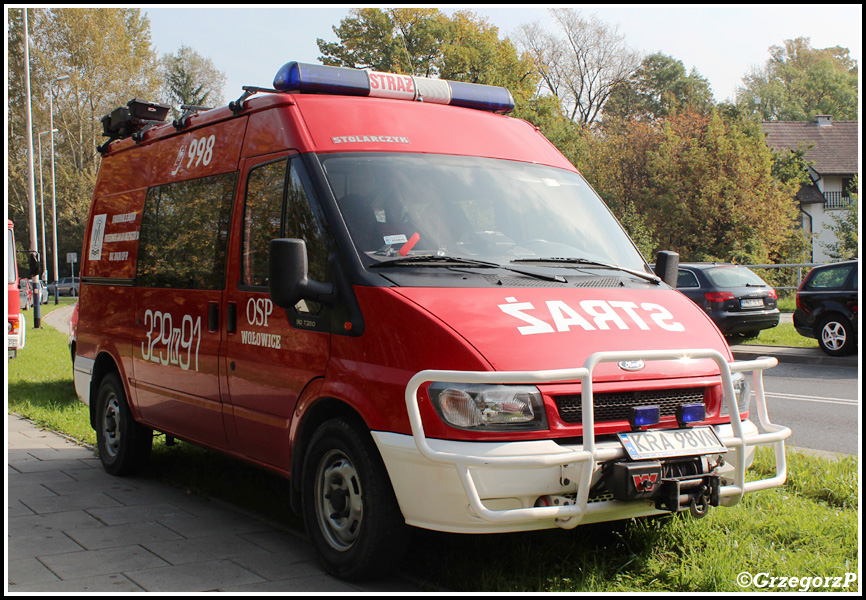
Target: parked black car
{"x":827,"y":307}
{"x":738,"y":301}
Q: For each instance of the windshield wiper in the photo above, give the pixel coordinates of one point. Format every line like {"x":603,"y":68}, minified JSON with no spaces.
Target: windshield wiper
{"x":430,"y":260}
{"x":591,"y":263}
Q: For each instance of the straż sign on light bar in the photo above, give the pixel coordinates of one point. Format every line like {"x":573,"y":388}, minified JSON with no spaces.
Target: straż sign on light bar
{"x":306,"y":78}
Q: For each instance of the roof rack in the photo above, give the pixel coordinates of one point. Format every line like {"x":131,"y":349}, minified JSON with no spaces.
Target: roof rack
{"x":189,"y":111}
{"x":132,"y":120}
{"x":237,"y":106}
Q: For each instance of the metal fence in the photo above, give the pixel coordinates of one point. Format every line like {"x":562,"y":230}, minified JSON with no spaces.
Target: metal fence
{"x":785,"y":276}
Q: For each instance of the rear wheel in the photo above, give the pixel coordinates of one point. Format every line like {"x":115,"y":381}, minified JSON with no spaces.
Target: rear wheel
{"x":835,"y":336}
{"x":349,"y":507}
{"x":124,"y":445}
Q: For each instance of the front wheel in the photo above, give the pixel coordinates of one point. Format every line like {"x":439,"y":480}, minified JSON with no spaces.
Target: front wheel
{"x":349,"y":507}
{"x":124,"y":445}
{"x":835,"y":336}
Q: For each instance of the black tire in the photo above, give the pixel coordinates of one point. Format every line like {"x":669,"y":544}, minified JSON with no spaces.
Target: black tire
{"x":836,"y":336}
{"x":123,"y":444}
{"x":350,"y":511}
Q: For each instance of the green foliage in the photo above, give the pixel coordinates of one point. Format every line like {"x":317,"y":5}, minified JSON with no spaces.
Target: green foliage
{"x":190,"y":78}
{"x":426,"y":42}
{"x":660,"y":87}
{"x":799,"y":82}
{"x":702,"y":186}
{"x":107,"y":55}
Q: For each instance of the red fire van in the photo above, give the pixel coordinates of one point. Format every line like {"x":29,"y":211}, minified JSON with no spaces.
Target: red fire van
{"x":16,"y":324}
{"x":410,"y":304}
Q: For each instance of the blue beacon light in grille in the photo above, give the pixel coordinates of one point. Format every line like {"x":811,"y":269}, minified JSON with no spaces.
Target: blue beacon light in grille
{"x":321,"y":79}
{"x":643,"y":416}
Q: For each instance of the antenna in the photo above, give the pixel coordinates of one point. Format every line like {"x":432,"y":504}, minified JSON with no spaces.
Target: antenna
{"x":403,"y":40}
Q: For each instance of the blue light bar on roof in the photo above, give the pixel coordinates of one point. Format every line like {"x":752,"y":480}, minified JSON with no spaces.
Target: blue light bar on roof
{"x":320,"y":79}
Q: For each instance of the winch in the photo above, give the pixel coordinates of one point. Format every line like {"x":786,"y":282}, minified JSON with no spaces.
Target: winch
{"x":691,"y":484}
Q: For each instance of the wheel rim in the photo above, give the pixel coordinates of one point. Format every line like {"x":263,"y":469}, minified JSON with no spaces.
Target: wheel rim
{"x":339,"y":502}
{"x":833,"y":335}
{"x":111,"y":426}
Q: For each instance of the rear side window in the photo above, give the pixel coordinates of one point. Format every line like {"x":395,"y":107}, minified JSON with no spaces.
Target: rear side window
{"x":184,"y":233}
{"x":686,"y":279}
{"x":830,"y":278}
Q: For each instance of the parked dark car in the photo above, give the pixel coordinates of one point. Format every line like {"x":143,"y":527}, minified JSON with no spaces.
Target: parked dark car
{"x":738,"y":301}
{"x":67,"y":286}
{"x":25,"y":290}
{"x":827,"y":307}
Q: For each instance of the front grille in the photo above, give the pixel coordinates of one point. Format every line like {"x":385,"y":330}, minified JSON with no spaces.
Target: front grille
{"x":614,"y":406}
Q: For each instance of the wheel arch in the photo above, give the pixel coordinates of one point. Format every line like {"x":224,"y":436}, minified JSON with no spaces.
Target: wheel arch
{"x":102,"y":366}
{"x":318,"y":412}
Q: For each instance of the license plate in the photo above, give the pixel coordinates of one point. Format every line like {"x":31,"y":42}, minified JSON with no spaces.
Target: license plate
{"x":671,"y":443}
{"x":752,"y":303}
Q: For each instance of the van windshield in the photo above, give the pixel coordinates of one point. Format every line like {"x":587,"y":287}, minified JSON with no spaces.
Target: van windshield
{"x":413,"y":205}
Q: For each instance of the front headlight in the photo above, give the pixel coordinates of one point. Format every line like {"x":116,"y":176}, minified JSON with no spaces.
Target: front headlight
{"x":489,"y":407}
{"x":742,"y":393}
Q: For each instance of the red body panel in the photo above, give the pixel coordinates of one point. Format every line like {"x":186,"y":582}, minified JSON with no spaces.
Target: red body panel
{"x":527,"y":329}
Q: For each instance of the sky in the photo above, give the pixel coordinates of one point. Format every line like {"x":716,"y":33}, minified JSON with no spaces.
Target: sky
{"x":250,"y":43}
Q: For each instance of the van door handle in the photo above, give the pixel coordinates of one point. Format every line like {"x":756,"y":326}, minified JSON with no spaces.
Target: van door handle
{"x":213,"y":317}
{"x":232,"y":317}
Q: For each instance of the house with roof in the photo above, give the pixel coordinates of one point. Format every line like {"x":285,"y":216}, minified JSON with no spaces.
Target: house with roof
{"x":833,"y":153}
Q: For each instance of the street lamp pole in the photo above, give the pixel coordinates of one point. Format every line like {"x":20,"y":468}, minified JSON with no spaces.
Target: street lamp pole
{"x":53,"y":188}
{"x":31,"y":188}
{"x":42,"y":209}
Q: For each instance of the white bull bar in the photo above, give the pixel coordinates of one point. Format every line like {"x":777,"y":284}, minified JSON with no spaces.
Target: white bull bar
{"x":570,"y":515}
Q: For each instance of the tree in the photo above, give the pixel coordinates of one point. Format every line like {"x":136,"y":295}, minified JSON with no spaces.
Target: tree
{"x":583,"y":65}
{"x":799,"y":82}
{"x":107,"y":55}
{"x":700,"y":185}
{"x":659,"y":88}
{"x":428,"y":43}
{"x":190,"y":78}
{"x":395,"y":41}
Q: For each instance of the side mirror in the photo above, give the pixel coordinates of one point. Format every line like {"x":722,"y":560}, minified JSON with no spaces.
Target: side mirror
{"x":288,"y":281}
{"x":35,"y":264}
{"x":667,"y":264}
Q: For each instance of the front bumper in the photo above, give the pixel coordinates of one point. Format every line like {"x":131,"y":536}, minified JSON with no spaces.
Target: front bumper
{"x":485,"y":487}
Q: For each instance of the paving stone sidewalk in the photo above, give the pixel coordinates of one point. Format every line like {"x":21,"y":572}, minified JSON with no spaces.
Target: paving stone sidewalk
{"x":74,"y":528}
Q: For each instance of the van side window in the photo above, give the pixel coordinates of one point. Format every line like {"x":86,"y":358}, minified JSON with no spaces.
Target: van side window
{"x":184,"y":233}
{"x":277,"y":205}
{"x":263,"y":220}
{"x":301,"y":223}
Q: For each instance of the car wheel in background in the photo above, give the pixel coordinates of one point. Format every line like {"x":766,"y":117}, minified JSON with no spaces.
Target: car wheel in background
{"x":835,"y":336}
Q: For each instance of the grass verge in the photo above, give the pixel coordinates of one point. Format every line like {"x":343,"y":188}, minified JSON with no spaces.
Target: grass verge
{"x":806,"y":529}
{"x":782,"y":334}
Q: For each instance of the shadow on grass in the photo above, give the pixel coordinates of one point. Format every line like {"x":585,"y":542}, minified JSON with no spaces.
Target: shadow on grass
{"x":45,"y":394}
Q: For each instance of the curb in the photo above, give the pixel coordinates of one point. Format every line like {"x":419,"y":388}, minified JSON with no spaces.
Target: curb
{"x":789,"y":354}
